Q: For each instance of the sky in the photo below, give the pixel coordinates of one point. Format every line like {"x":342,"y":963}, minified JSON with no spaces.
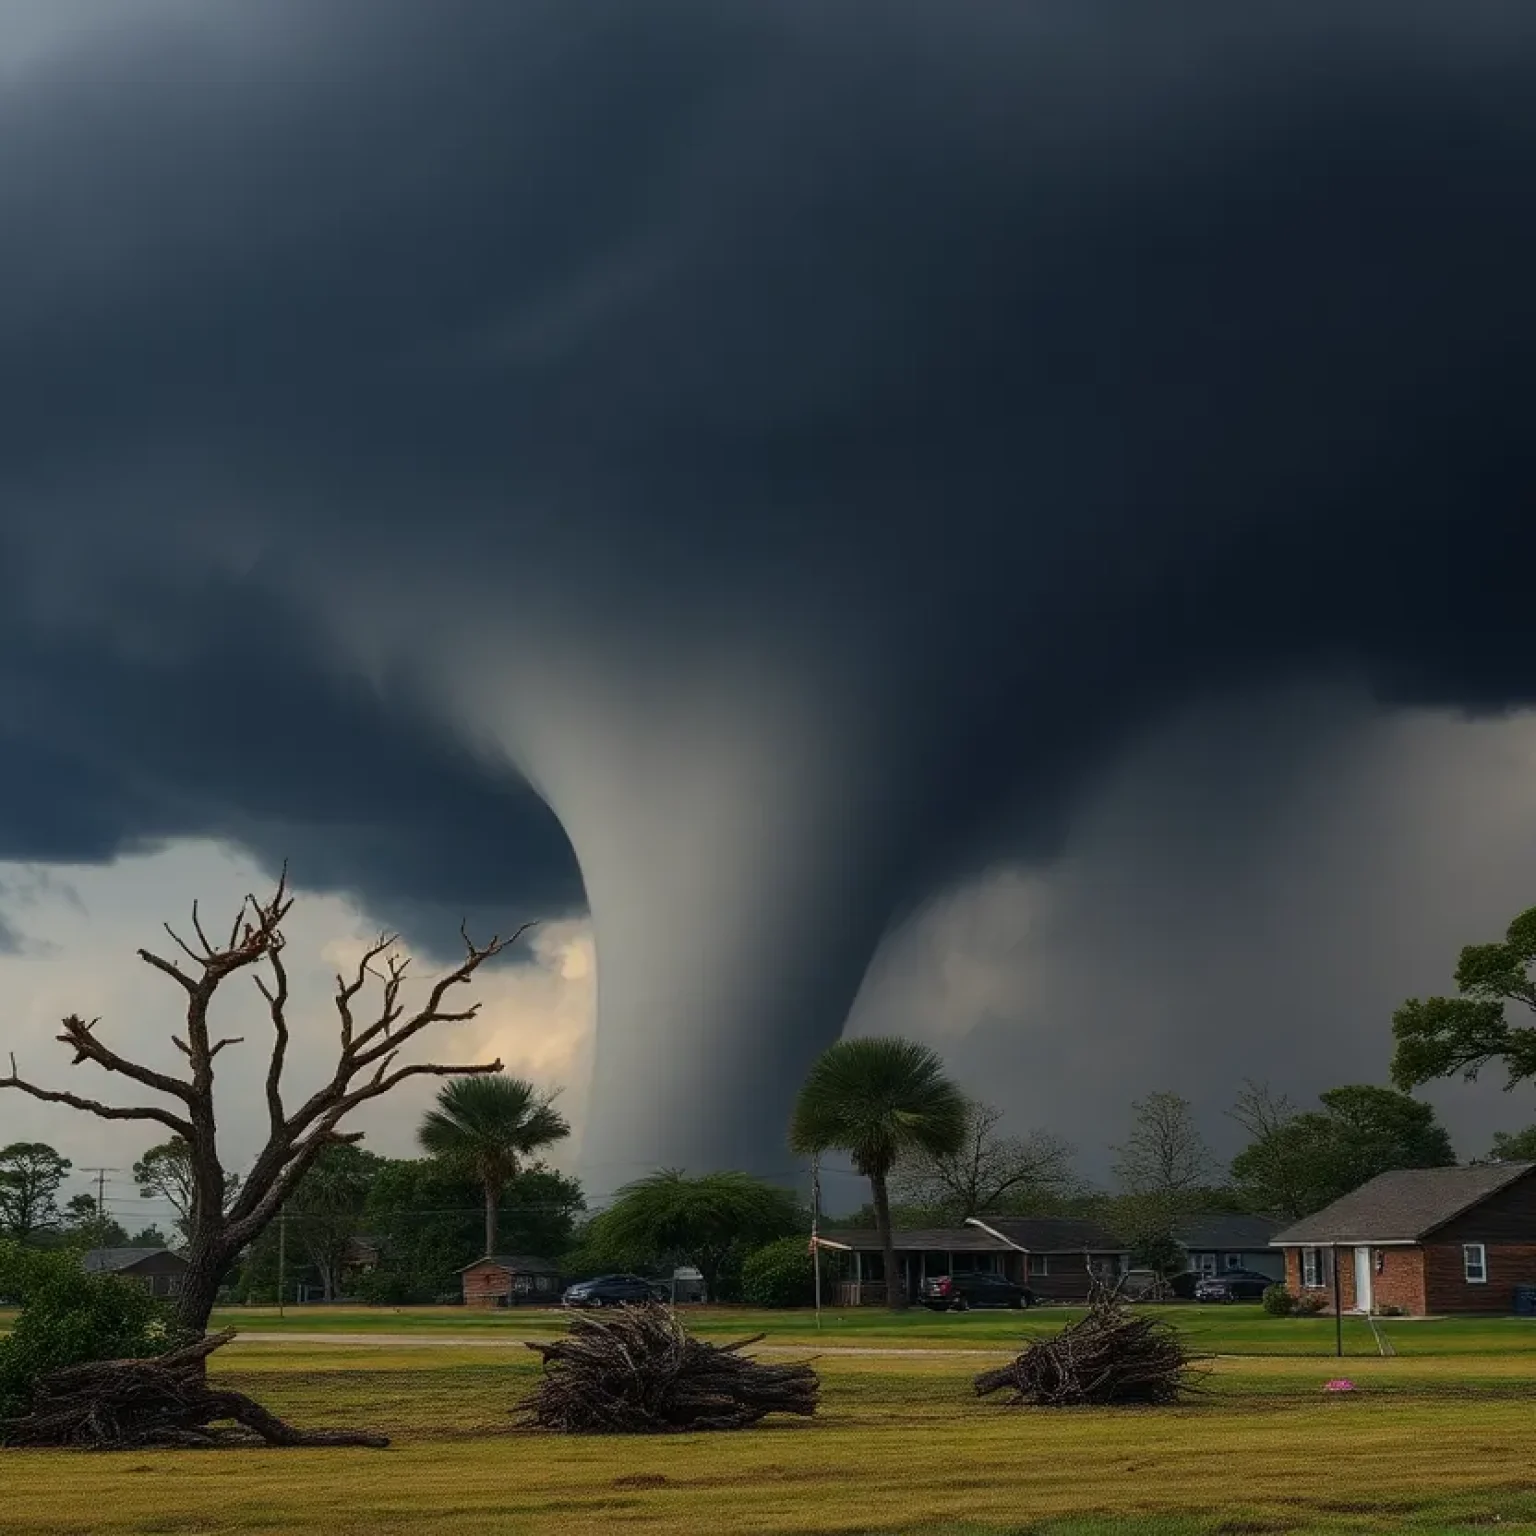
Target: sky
{"x":1003,"y":523}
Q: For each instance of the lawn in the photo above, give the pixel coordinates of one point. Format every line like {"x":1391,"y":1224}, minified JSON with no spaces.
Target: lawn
{"x":1238,"y":1330}
{"x":1434,"y":1440}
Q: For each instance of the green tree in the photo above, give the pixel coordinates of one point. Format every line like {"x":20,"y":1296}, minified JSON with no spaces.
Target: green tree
{"x":147,"y":1237}
{"x":166,"y":1172}
{"x":1439,"y":1037}
{"x":325,"y":1212}
{"x":31,"y":1174}
{"x":484,"y":1125}
{"x":1303,"y":1162}
{"x":1514,"y":1146}
{"x":427,"y":1220}
{"x":87,"y":1227}
{"x":711,"y":1220}
{"x":880,"y":1100}
{"x":990,"y":1172}
{"x":779,"y":1274}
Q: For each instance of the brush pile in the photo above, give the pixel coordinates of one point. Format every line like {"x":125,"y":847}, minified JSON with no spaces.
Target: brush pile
{"x":119,"y":1405}
{"x":1111,"y":1356}
{"x":636,"y":1371}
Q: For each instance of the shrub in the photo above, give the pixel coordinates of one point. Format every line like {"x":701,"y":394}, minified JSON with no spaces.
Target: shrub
{"x":1389,"y":1310}
{"x":1310,"y":1303}
{"x":781,"y":1274}
{"x":1279,"y":1302}
{"x":69,"y":1318}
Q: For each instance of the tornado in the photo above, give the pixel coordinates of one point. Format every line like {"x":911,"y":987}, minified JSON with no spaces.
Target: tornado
{"x":735,"y":469}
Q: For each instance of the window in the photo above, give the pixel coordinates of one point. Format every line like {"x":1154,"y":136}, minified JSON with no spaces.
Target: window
{"x":1234,"y":1261}
{"x":1312,"y":1267}
{"x":1038,"y":1265}
{"x":1474,"y":1263}
{"x":173,"y":1285}
{"x":1206,"y":1263}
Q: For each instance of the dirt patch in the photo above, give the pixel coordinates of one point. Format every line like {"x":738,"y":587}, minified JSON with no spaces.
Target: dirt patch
{"x":642,"y":1480}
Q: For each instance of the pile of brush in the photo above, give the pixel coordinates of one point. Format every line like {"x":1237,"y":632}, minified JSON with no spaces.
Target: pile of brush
{"x":120,"y":1405}
{"x":637,"y":1371}
{"x":1111,"y":1356}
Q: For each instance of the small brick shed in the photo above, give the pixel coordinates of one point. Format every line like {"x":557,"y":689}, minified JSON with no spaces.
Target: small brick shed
{"x":1425,"y":1240}
{"x":509,"y":1280}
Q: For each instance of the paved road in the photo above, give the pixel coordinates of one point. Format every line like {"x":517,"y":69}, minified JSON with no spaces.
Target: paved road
{"x":479,"y":1341}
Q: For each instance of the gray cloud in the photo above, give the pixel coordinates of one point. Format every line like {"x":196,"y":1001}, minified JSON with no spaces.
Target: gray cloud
{"x":808,"y":447}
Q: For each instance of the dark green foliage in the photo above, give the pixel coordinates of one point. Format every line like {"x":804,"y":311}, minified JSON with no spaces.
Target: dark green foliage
{"x":1309,"y":1160}
{"x":1514,"y":1146}
{"x":486,"y":1126}
{"x":1279,"y":1302}
{"x":1449,"y":1036}
{"x":1310,"y":1303}
{"x":427,"y":1221}
{"x":31,"y":1174}
{"x":880,"y":1101}
{"x":711,"y":1220}
{"x":780,"y":1274}
{"x":69,"y":1317}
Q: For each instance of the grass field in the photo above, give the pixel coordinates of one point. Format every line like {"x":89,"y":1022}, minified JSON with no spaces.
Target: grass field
{"x":1436,"y":1439}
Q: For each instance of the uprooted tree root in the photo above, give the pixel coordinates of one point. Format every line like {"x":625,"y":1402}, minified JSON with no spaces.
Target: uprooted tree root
{"x":638,"y":1371}
{"x":1111,"y":1356}
{"x":119,"y":1405}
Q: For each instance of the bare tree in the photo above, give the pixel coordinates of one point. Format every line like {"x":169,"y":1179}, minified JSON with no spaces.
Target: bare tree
{"x":1163,"y":1169}
{"x":1260,"y":1110}
{"x":989,"y":1169}
{"x":365,"y":1069}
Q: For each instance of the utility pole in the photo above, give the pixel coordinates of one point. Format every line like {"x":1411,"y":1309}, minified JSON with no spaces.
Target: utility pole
{"x":101,"y":1198}
{"x":282,"y":1256}
{"x":816,"y":1230}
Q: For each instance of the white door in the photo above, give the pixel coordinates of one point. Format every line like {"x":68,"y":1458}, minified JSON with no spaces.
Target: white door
{"x":1362,"y":1279}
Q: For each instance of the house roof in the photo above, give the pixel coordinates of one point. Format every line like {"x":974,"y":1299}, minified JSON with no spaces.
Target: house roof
{"x":1227,"y":1230}
{"x":1039,"y":1234}
{"x":111,"y":1261}
{"x":920,"y":1240}
{"x":1056,"y":1234}
{"x":517,"y":1263}
{"x":1402,"y":1206}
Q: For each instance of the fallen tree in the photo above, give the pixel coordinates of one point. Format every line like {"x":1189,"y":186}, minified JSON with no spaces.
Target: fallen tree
{"x":1110,"y":1356}
{"x":119,"y":1405}
{"x":638,"y":1371}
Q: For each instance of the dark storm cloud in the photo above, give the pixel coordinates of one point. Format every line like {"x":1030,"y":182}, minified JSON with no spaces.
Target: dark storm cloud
{"x":1011,"y":374}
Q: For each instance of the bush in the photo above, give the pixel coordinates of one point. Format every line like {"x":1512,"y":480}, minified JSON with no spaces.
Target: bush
{"x":1279,"y":1302}
{"x":1310,"y":1303}
{"x":69,"y":1318}
{"x":1390,"y":1310}
{"x":781,"y":1274}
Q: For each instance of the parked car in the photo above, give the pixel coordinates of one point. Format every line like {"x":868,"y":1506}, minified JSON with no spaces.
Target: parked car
{"x":1233,"y":1285}
{"x":612,"y":1291}
{"x":1144,"y":1285}
{"x":957,"y":1293}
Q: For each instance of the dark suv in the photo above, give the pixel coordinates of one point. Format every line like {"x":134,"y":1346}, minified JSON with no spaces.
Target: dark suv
{"x":956,"y":1293}
{"x":612,"y":1291}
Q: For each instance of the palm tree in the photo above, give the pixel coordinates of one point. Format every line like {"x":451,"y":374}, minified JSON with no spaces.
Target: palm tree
{"x":877,"y":1100}
{"x":483,"y":1124}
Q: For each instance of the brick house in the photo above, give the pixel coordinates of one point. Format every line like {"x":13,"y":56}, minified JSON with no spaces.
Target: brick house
{"x":510,"y":1279}
{"x":158,"y":1270}
{"x":1426,"y":1240}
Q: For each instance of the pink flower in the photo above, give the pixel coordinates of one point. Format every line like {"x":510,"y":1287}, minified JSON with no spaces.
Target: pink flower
{"x":1339,"y":1384}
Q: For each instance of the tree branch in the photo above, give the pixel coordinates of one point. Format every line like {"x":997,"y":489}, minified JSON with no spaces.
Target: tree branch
{"x":91,"y":1106}
{"x":277,"y":1004}
{"x":82,"y":1036}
